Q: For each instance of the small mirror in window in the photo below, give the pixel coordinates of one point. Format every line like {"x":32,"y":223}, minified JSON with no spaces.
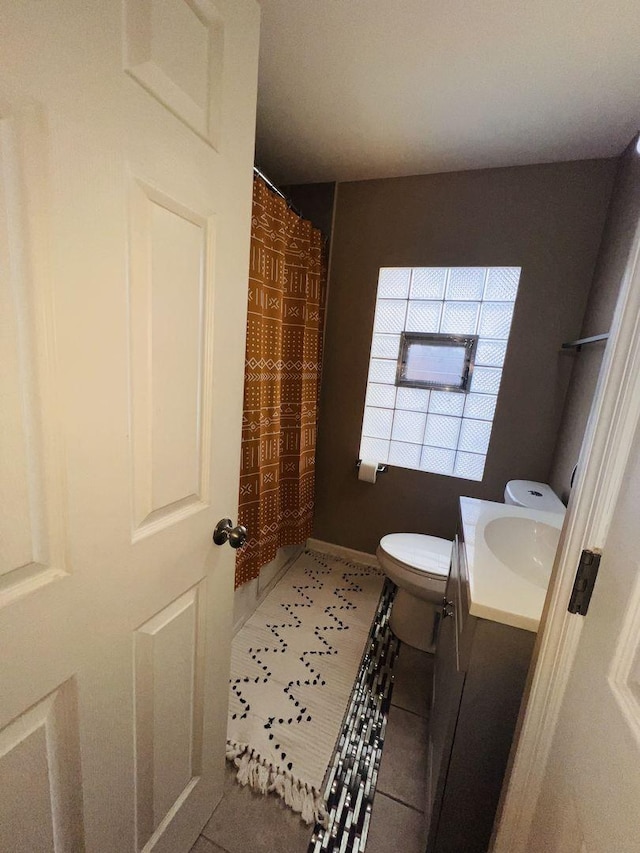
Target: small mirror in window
{"x":428,"y":360}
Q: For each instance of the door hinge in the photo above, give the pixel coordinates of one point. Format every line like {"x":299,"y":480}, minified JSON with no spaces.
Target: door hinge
{"x":585,"y":581}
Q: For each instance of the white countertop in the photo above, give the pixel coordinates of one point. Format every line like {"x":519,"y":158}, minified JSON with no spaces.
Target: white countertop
{"x":495,"y":591}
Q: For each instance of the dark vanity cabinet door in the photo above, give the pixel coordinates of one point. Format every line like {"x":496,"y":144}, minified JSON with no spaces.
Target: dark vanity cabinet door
{"x":448,"y":682}
{"x":480,"y":672}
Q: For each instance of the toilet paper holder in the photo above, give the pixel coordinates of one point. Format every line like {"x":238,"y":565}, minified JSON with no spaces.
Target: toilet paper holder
{"x":382,"y":469}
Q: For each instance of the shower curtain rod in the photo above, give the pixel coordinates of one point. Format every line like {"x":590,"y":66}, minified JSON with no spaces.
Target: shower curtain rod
{"x":268,"y":182}
{"x":277,"y":191}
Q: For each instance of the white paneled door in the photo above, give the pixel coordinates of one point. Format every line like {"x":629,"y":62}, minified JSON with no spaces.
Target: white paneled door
{"x":126,"y":143}
{"x":591,"y":787}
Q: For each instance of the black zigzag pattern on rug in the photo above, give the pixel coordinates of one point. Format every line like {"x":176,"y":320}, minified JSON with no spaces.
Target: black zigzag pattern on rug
{"x":278,"y":761}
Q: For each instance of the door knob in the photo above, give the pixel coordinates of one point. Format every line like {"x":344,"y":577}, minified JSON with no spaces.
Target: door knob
{"x":226,"y":532}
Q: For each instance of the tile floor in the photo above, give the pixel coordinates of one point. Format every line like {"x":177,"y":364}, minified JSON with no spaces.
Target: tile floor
{"x":245,"y":822}
{"x":397,"y":820}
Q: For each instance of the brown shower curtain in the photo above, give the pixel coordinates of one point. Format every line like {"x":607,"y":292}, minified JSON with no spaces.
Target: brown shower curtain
{"x":287,"y":283}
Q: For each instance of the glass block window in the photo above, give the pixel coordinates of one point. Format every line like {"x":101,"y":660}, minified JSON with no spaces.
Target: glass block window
{"x":440,"y":431}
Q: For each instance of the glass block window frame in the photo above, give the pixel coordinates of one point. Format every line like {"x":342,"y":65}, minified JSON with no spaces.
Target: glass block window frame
{"x":437,"y":431}
{"x":460,"y":347}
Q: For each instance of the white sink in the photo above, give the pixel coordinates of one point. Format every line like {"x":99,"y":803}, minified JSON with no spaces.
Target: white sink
{"x":525,"y":545}
{"x":509,"y":557}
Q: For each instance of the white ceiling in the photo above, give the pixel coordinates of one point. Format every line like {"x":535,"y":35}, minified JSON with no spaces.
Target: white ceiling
{"x":352,"y":89}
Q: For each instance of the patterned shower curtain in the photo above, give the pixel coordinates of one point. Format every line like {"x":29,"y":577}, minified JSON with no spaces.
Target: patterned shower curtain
{"x":287,"y":283}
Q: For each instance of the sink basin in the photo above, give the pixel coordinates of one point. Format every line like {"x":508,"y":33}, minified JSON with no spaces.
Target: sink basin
{"x":524,"y":545}
{"x":509,"y":553}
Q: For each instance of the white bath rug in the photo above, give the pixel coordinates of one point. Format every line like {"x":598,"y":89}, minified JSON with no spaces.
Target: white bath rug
{"x":293,"y":666}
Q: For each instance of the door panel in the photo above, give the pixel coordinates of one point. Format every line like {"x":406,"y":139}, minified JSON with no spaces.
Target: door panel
{"x":122,"y":344}
{"x":21,"y":503}
{"x":171,"y":293}
{"x":448,"y":683}
{"x":185,"y":74}
{"x":31,"y":534}
{"x":169,"y":697}
{"x":591,"y":790}
{"x":40,"y":777}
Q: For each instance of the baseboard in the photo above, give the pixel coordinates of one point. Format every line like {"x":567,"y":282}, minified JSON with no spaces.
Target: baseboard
{"x":340,"y":551}
{"x":243,"y":618}
{"x":261,"y":593}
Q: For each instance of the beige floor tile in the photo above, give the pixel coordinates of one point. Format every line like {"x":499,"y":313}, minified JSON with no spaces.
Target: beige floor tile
{"x":403,"y":769}
{"x":229,"y":777}
{"x":395,"y":828}
{"x":413,"y":675}
{"x":203,"y":845}
{"x":245,"y":822}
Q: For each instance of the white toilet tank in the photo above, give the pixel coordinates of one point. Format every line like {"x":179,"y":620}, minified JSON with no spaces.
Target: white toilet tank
{"x":534,"y":495}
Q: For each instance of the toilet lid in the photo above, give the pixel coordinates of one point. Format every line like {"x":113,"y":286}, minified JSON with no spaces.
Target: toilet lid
{"x":422,"y":553}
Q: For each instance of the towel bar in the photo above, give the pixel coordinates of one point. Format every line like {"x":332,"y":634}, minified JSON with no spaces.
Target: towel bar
{"x":577,"y":345}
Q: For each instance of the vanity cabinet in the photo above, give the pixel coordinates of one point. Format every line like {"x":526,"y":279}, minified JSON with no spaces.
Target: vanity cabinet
{"x":479,"y":676}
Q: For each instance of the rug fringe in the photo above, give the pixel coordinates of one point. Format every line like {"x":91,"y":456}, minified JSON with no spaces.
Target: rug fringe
{"x":265,"y":777}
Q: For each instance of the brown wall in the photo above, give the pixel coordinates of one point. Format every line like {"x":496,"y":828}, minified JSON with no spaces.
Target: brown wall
{"x":547,"y":219}
{"x":622,"y":220}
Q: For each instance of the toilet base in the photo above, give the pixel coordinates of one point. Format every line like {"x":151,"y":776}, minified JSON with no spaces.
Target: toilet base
{"x":413,"y":621}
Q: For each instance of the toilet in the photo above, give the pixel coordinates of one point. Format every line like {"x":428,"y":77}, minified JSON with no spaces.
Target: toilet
{"x":419,"y":566}
{"x":534,"y":495}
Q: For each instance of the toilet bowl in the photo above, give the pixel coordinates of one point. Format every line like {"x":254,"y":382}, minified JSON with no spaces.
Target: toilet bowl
{"x":419,"y":566}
